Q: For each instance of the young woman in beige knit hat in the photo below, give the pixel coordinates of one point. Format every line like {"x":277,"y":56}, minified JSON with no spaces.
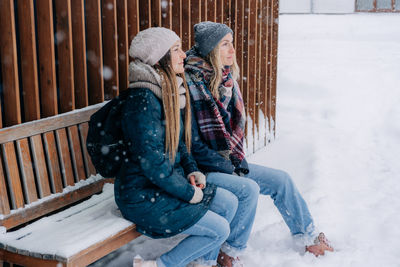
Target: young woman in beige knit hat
{"x":160,"y":188}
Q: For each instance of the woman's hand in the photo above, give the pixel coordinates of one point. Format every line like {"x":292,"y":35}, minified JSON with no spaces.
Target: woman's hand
{"x":197,"y":179}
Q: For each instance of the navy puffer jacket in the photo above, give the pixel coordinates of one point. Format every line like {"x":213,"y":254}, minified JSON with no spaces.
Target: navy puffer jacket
{"x":151,"y":191}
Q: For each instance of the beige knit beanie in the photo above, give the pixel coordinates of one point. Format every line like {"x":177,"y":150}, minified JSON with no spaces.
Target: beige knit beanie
{"x":152,"y":44}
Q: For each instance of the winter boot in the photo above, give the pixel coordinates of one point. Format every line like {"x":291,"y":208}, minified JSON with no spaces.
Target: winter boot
{"x":225,"y":260}
{"x":321,"y":244}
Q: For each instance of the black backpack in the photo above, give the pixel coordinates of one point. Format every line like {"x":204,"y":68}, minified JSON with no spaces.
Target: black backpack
{"x":105,"y":143}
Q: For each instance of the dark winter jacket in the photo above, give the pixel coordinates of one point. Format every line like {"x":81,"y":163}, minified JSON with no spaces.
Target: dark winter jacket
{"x":151,"y":191}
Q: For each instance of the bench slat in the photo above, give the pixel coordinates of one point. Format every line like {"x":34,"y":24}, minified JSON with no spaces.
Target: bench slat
{"x":83,"y":129}
{"x":54,"y":165}
{"x":13,"y":177}
{"x":52,"y":204}
{"x":27,"y":176}
{"x":65,"y":158}
{"x":29,"y":261}
{"x":4,"y":205}
{"x":40,"y":163}
{"x":76,"y":153}
{"x":48,"y":124}
{"x":103,"y":248}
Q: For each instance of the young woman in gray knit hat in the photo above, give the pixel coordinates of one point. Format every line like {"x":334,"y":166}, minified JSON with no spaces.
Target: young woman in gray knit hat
{"x":160,"y":188}
{"x":218,"y":132}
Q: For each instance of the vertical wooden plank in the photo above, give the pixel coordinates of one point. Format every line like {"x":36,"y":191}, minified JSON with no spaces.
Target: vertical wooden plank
{"x":166,"y":14}
{"x":269,"y":55}
{"x":123,"y":44}
{"x":27,"y":176}
{"x":65,"y":158}
{"x":79,"y":49}
{"x":83,"y":131}
{"x":110,"y":44}
{"x":204,"y":10}
{"x":76,"y":153}
{"x":145,"y":14}
{"x":46,"y":58}
{"x":155,"y":13}
{"x":13,"y":178}
{"x":94,"y":50}
{"x":220,"y":11}
{"x":245,"y":51}
{"x":239,"y":39}
{"x":4,"y":205}
{"x":9,"y":64}
{"x":234,"y":6}
{"x":133,"y":19}
{"x":29,"y":72}
{"x":226,"y":13}
{"x":258,"y":112}
{"x":53,"y":162}
{"x":177,"y":17}
{"x":42,"y":177}
{"x":186,"y":25}
{"x":263,"y":64}
{"x":212,"y":10}
{"x":252,"y":68}
{"x":65,"y":56}
{"x":275,"y":17}
{"x":195,"y":17}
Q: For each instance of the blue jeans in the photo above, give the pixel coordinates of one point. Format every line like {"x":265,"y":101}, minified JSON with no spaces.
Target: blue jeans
{"x":247,"y":192}
{"x":207,"y":235}
{"x":280,"y":187}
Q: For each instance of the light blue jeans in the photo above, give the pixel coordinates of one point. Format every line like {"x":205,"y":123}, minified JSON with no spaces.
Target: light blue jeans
{"x":280,"y":187}
{"x":207,"y":235}
{"x":247,"y":192}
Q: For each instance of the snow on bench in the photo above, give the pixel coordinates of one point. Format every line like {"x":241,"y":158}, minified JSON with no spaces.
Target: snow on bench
{"x":44,"y":168}
{"x":65,"y":234}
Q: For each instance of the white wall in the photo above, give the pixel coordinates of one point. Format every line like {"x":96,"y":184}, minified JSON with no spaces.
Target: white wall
{"x":294,"y":6}
{"x":334,"y":6}
{"x":316,"y":6}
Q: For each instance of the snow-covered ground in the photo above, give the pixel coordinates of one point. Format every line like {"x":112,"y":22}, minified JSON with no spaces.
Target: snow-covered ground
{"x":338,"y":135}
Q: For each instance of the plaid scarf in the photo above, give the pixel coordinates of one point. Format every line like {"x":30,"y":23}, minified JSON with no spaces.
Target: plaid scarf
{"x":221,"y":121}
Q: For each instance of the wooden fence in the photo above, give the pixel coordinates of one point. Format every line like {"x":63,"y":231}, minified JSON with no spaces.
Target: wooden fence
{"x":378,"y":5}
{"x":61,"y":55}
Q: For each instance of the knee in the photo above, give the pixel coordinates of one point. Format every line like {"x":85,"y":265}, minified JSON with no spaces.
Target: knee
{"x":224,"y":230}
{"x":220,"y":230}
{"x":285,"y":181}
{"x":252,"y":189}
{"x":230,"y":203}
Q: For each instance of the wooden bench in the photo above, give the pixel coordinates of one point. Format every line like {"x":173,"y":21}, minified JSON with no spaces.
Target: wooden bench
{"x":44,"y":167}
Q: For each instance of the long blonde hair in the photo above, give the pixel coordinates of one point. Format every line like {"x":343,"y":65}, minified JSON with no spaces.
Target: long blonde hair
{"x":170,"y":99}
{"x":214,"y":58}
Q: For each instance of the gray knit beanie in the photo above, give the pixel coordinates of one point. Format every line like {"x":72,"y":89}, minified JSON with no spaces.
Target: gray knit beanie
{"x":208,"y":34}
{"x":152,"y":44}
